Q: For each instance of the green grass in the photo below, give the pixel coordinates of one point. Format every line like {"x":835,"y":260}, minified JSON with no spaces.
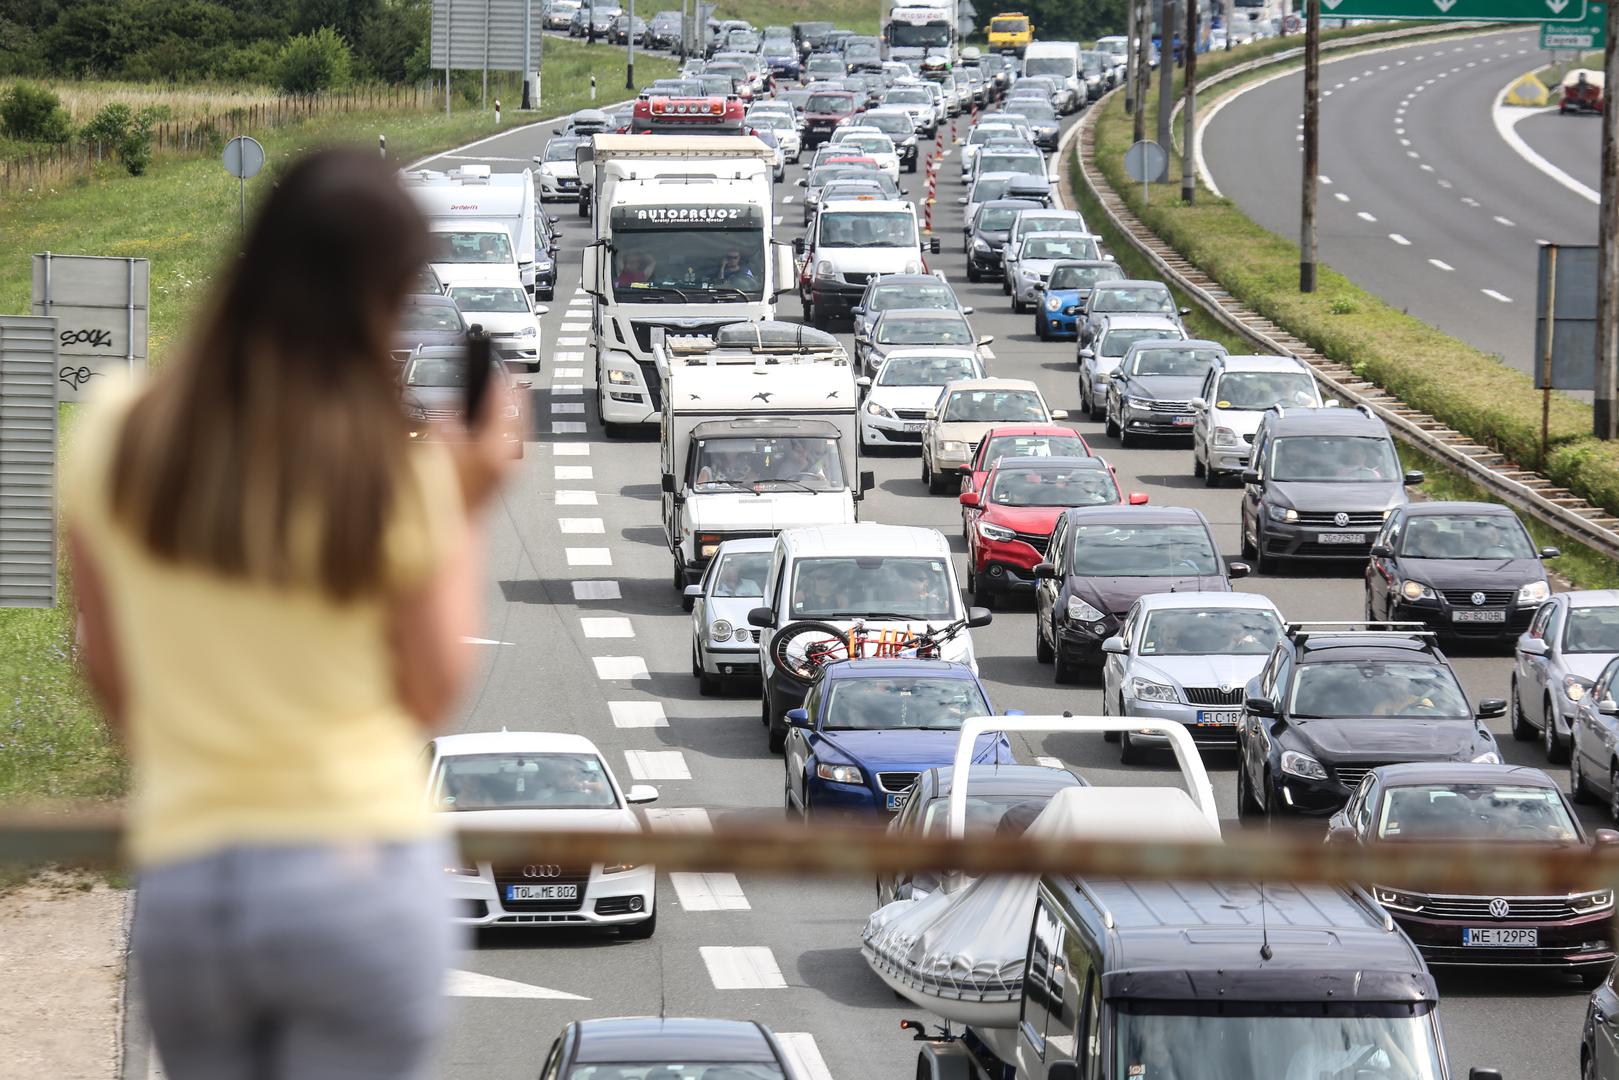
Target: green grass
{"x":181,"y":215}
{"x":861,"y":16}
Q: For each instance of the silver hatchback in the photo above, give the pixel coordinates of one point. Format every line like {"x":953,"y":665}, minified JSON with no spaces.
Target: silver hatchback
{"x":724,"y":648}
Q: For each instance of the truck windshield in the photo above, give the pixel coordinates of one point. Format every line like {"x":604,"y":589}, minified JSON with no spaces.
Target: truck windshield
{"x":919,"y":36}
{"x":788,"y":463}
{"x":471,"y":247}
{"x":1008,"y":26}
{"x":1281,"y":1041}
{"x":688,"y":255}
{"x":876,"y":230}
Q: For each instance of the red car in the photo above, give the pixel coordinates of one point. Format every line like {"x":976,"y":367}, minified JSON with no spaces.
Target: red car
{"x":1016,"y":510}
{"x":1017,"y":440}
{"x":824,"y":110}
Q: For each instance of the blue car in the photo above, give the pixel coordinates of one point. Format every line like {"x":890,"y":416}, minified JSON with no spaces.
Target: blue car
{"x":868,"y":728}
{"x":1056,"y":316}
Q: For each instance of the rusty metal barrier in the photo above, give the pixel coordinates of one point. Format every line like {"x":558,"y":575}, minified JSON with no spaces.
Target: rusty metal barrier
{"x":91,"y":837}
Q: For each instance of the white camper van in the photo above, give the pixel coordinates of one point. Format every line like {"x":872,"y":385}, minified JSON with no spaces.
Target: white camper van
{"x":473,"y":193}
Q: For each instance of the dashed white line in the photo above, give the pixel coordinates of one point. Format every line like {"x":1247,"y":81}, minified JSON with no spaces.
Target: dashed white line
{"x":777,"y":220}
{"x":568,"y":390}
{"x":572,"y":449}
{"x":596,"y":590}
{"x":1440,"y":264}
{"x":637,"y":714}
{"x":1325,"y":179}
{"x":567,"y":408}
{"x":1049,"y":762}
{"x":786,"y":199}
{"x":657,"y":765}
{"x":1470,"y":201}
{"x":1427,"y":168}
{"x":1508,"y":222}
{"x":576,"y":498}
{"x":1398,"y":239}
{"x":1340,"y":196}
{"x":1412,"y":154}
{"x":1493,"y":295}
{"x":568,"y":372}
{"x":668,"y":819}
{"x":568,"y":427}
{"x":567,"y":358}
{"x":1364,"y":216}
{"x":620,"y":667}
{"x":607,"y":626}
{"x":747,"y":967}
{"x":574,"y":327}
{"x":581,"y":525}
{"x":803,"y":1055}
{"x":709,"y":892}
{"x":1405,"y":142}
{"x":573,"y":472}
{"x":595,"y":556}
{"x":573,"y":341}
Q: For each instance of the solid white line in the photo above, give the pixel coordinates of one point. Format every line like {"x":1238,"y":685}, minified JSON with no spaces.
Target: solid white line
{"x":472,"y":984}
{"x":589,"y":556}
{"x":608,"y":626}
{"x":657,"y":764}
{"x":596,"y":590}
{"x":803,"y":1055}
{"x":620,"y":667}
{"x":748,"y":967}
{"x":1364,"y":216}
{"x":636,"y":714}
{"x":709,"y":892}
{"x":581,"y":525}
{"x":1493,"y":295}
{"x":1440,"y":264}
{"x":567,"y":408}
{"x":667,"y":819}
{"x":1340,"y":196}
{"x":573,"y":472}
{"x":576,"y":498}
{"x":568,"y":427}
{"x":1398,"y":239}
{"x":1506,"y":125}
{"x":571,"y":449}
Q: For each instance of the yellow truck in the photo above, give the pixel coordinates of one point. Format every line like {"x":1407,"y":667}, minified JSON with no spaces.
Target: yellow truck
{"x":1010,"y":31}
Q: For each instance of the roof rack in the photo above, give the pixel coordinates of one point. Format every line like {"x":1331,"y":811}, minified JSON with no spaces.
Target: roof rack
{"x":1302,"y":632}
{"x":1094,"y":899}
{"x":1377,"y":910}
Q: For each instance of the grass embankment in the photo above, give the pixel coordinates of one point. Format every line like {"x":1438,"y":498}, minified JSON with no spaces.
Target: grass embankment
{"x":183,"y":216}
{"x":858,"y":15}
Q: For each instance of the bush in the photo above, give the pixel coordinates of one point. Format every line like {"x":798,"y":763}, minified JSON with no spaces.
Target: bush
{"x":34,"y":114}
{"x":126,"y":133}
{"x":311,"y":63}
{"x":256,"y":64}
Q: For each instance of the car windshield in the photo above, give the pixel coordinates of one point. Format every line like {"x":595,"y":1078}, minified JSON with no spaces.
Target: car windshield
{"x":1475,"y":812}
{"x":1381,"y":688}
{"x":908,"y":97}
{"x":830,"y":103}
{"x":1078,"y":486}
{"x":996,"y":218}
{"x":1465,"y":536}
{"x":717,"y":84}
{"x":869,"y":142}
{"x":1210,"y":632}
{"x":989,"y":187}
{"x":1149,"y":301}
{"x":1031,"y":224}
{"x":481,"y":298}
{"x":1592,"y":630}
{"x":1034,"y":109}
{"x":1227,"y":1040}
{"x":1186,"y":363}
{"x":522,"y":782}
{"x":925,"y":370}
{"x":560,"y":149}
{"x":678,"y":1070}
{"x":1027,"y":164}
{"x":431,"y":317}
{"x":890,"y":586}
{"x":471,"y":247}
{"x":874,"y":230}
{"x":983,"y":133}
{"x":1008,"y":26}
{"x":1058,"y":247}
{"x":919,"y":330}
{"x":1118,"y":342}
{"x":1037,"y":446}
{"x":1334,"y":458}
{"x":900,"y":702}
{"x":773,"y":464}
{"x":891,"y":125}
{"x":1159,"y":550}
{"x":1261,"y":390}
{"x":436,"y":371}
{"x":741,"y":573}
{"x":687,"y":254}
{"x":884,"y":297}
{"x":1083,"y":277}
{"x":985,"y":813}
{"x":992,"y":406}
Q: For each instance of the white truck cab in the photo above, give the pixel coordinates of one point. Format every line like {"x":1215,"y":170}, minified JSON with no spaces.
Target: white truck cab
{"x":854,"y":240}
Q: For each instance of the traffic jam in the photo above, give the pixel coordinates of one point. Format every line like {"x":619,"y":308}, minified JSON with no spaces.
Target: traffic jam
{"x":833,"y":395}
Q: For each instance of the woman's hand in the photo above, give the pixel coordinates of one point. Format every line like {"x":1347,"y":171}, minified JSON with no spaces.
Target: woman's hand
{"x":483,"y":451}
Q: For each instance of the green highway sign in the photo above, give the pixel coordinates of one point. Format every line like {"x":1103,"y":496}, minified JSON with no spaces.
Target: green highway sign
{"x":1537,"y":11}
{"x":1584,"y":36}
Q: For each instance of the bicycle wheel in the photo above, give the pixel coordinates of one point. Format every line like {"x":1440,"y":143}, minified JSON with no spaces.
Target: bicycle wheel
{"x":801,"y":649}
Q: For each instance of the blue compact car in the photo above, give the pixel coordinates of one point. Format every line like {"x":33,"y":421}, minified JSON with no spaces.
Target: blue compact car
{"x":1056,"y":313}
{"x":868,"y":728}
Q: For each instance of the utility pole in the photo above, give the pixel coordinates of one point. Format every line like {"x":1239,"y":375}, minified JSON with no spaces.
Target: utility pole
{"x":590,"y":24}
{"x":1230,"y":14}
{"x":1143,"y":68}
{"x":1166,"y":78}
{"x":1130,"y":59}
{"x":1188,"y":165}
{"x":1604,"y":411}
{"x":1312,"y":143}
{"x":629,"y":56}
{"x":449,"y":41}
{"x":528,"y":51}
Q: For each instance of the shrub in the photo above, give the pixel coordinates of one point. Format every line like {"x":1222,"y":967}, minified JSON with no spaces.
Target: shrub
{"x":126,"y":133}
{"x":310,"y":63}
{"x":34,"y":114}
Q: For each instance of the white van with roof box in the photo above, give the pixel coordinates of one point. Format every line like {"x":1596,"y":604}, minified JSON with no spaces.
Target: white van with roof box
{"x":475,"y":194}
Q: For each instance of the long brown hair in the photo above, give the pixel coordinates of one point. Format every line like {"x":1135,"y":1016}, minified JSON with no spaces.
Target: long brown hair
{"x":273,"y":448}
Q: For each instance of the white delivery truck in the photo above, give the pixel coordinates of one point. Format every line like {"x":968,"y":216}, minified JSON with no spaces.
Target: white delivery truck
{"x":473,"y":193}
{"x":1059,"y":58}
{"x":918,"y":29}
{"x":759,"y":434}
{"x":685,"y":243}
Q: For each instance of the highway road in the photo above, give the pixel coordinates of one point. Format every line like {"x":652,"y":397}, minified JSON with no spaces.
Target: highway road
{"x":1422,"y":200}
{"x":586,"y":635}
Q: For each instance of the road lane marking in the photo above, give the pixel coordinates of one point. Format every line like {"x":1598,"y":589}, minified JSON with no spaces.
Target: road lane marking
{"x":709,"y":892}
{"x":1440,"y":264}
{"x":459,"y":983}
{"x":1340,"y":196}
{"x":573,"y":472}
{"x":804,"y":1056}
{"x":574,"y":341}
{"x":1325,"y":180}
{"x":776,"y":220}
{"x":1049,"y":762}
{"x":1508,"y":222}
{"x":568,"y":389}
{"x":637,"y":714}
{"x":570,"y":357}
{"x":678,"y":819}
{"x":567,"y":407}
{"x":581,"y":525}
{"x":1493,"y":295}
{"x":596,"y":590}
{"x":573,"y":327}
{"x":576,"y":498}
{"x":742,"y":967}
{"x":579,"y":301}
{"x":1364,"y":216}
{"x":571,"y":449}
{"x":589,"y":556}
{"x":607,"y":626}
{"x":483,"y":641}
{"x":1398,"y":239}
{"x":568,"y":427}
{"x":1470,"y":201}
{"x":611,"y":668}
{"x":785,"y":199}
{"x":1405,"y":142}
{"x":568,"y":372}
{"x":1425,"y":167}
{"x":1412,"y":154}
{"x":657,"y":764}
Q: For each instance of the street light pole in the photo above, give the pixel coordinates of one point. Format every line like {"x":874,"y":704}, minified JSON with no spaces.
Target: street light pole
{"x":528,"y":50}
{"x":1130,"y":59}
{"x":1143,"y":68}
{"x":1166,"y":78}
{"x":1188,"y":168}
{"x":1605,"y":411}
{"x":1312,"y":144}
{"x":629,"y":56}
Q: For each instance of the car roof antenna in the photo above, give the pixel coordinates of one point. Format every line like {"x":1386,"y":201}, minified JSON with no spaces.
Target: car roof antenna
{"x":1265,"y":951}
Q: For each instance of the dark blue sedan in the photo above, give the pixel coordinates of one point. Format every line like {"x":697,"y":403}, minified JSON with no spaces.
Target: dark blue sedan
{"x":1056,"y":313}
{"x":869,"y":727}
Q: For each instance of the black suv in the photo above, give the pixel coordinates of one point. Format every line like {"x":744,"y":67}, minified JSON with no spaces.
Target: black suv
{"x":1319,"y":485}
{"x":1333,"y":703}
{"x":1462,"y":569}
{"x":985,"y":235}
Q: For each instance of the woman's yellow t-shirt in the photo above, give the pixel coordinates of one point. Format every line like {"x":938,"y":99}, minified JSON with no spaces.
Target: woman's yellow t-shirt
{"x":256,"y":714}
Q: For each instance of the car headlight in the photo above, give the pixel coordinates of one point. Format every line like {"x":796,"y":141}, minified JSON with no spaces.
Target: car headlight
{"x":415,"y":412}
{"x":839,"y":774}
{"x":620,"y":378}
{"x":1080,"y":611}
{"x":1416,"y":590}
{"x":909,"y":142}
{"x":720,"y":630}
{"x":1575,"y":687}
{"x":1397,"y":899}
{"x":1592,"y":901}
{"x":528,"y":332}
{"x":1533,"y":592}
{"x":979,"y":244}
{"x":1281,"y":513}
{"x":1147,"y":690}
{"x":950,"y":446}
{"x":1302,"y":765}
{"x":824,"y":269}
{"x":1138,"y":402}
{"x":995,"y":532}
{"x":1053,"y":304}
{"x":1489,"y":757}
{"x":877,"y":410}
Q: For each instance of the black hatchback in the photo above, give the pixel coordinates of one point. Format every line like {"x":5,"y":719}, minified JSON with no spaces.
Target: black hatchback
{"x":673,"y":1048}
{"x":1461,"y":569}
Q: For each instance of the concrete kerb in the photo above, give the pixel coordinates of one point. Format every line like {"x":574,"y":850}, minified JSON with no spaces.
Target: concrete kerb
{"x":1506,"y":119}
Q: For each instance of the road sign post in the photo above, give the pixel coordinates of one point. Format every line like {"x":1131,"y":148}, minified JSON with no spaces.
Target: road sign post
{"x":243,"y":158}
{"x":1146,"y":162}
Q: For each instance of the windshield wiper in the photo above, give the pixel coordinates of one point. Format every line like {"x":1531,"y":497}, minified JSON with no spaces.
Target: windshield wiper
{"x":907,"y":615}
{"x":738,"y":485}
{"x":644,"y":290}
{"x":725,"y":290}
{"x":796,"y":483}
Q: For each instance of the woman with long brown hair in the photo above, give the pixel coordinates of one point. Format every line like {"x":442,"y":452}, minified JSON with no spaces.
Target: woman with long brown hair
{"x":274,"y":584}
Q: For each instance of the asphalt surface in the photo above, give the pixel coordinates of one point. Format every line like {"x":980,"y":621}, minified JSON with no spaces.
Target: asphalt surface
{"x":582,"y":509}
{"x":1422,"y":201}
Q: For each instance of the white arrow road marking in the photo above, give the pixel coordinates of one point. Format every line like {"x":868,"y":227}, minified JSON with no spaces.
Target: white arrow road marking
{"x":484,"y":641}
{"x":459,"y":983}
{"x":1440,"y":264}
{"x":799,"y":1046}
{"x":709,"y":892}
{"x":751,"y":967}
{"x":1493,"y":295}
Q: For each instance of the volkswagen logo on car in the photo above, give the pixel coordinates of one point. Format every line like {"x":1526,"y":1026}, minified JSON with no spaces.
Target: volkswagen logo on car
{"x":1340,"y":519}
{"x":542,"y":870}
{"x":1499,"y":908}
{"x":1478,"y":599}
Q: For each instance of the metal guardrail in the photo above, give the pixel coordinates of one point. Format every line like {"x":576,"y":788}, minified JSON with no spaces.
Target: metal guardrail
{"x":1523,"y":489}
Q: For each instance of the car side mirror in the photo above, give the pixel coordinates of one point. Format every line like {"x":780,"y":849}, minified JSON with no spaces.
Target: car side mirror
{"x":1198,"y":404}
{"x":1062,"y":1070}
{"x":1605,"y":837}
{"x":1260,"y":706}
{"x":930,"y":414}
{"x":553,"y":219}
{"x":1138,"y":498}
{"x":1413,"y":478}
{"x":797,"y":718}
{"x":979,"y":616}
{"x":862,"y":338}
{"x":1045,"y":570}
{"x":868,"y":480}
{"x":1608,"y":707}
{"x":933,"y":245}
{"x":962,"y":200}
{"x":1342,"y":834}
{"x":966,"y":311}
{"x":1331,"y":403}
{"x":1550,"y":552}
{"x":693,"y":592}
{"x":802,"y":181}
{"x":1476,"y":1073}
{"x":1238,"y":569}
{"x":987,"y":339}
{"x":864,"y":382}
{"x":641,"y":793}
{"x":1059,"y":414}
{"x":669,"y":483}
{"x":798,"y":245}
{"x":1382,"y":551}
{"x":1250,"y":476}
{"x":1533,"y":646}
{"x":1490,"y":708}
{"x":1116,"y":646}
{"x":762,"y":617}
{"x":858,"y":310}
{"x":1086,"y":353}
{"x":968,"y":499}
{"x":1185,"y":311}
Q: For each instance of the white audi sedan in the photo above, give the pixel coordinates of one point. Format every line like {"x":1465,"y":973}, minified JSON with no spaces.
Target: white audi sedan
{"x":534,"y":780}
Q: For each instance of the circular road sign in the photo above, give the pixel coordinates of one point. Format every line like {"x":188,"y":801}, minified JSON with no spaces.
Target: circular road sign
{"x":1145,"y":161}
{"x":243,"y":157}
